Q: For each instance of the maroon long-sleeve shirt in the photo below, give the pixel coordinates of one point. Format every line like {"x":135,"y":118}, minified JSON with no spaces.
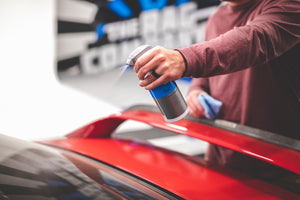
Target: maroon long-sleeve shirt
{"x":251,"y":61}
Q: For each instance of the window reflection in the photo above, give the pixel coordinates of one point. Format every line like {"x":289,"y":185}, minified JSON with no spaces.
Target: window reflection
{"x":40,"y":174}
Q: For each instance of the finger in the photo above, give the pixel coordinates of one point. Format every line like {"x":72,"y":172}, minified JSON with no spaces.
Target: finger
{"x":153,"y":73}
{"x":197,"y":105}
{"x":196,"y":113}
{"x":145,"y":70}
{"x":195,"y":108}
{"x":143,"y":60}
{"x":192,"y":109}
{"x":147,"y":80}
{"x":150,"y":65}
{"x":155,"y":83}
{"x":198,"y":108}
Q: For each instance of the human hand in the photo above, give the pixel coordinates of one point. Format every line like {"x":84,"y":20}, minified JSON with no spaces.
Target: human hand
{"x":195,"y":107}
{"x":168,"y":64}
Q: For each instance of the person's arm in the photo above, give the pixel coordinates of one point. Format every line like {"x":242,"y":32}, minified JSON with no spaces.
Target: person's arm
{"x":266,"y":37}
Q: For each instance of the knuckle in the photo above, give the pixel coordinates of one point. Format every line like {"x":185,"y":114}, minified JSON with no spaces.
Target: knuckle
{"x":165,"y":66}
{"x":157,"y":49}
{"x":168,"y":76}
{"x":161,"y":57}
{"x":138,"y":63}
{"x":143,"y":71}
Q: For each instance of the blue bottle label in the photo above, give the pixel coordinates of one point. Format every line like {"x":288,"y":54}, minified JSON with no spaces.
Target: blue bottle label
{"x":163,"y":90}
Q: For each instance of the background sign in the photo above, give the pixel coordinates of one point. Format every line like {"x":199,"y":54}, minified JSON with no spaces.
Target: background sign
{"x":95,"y":36}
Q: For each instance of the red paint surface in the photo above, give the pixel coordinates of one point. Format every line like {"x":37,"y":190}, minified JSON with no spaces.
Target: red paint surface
{"x":187,"y":177}
{"x":277,"y":155}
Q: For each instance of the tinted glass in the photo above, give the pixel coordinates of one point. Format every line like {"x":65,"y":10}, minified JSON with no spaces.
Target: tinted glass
{"x":30,"y":171}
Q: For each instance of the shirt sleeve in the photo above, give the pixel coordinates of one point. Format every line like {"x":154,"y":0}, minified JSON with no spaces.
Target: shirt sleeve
{"x":268,"y":35}
{"x":200,"y":83}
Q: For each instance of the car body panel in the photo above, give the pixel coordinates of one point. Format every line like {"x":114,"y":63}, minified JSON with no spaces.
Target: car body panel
{"x":271,"y":153}
{"x":185,"y":176}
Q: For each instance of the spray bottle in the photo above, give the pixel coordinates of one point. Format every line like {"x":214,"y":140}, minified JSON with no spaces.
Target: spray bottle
{"x":167,"y":96}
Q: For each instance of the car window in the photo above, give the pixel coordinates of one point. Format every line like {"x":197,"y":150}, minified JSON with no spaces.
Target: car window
{"x":32,"y":171}
{"x":118,"y":182}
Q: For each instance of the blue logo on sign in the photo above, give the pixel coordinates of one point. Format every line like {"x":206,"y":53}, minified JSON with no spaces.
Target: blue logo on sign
{"x":124,"y":11}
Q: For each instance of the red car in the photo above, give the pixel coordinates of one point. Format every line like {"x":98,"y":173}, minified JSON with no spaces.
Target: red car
{"x":94,"y":162}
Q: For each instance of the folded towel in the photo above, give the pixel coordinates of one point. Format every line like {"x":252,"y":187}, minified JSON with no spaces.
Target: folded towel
{"x":210,"y":105}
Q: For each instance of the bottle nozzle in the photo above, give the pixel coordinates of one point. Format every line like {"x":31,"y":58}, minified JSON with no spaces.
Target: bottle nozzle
{"x":136,"y":54}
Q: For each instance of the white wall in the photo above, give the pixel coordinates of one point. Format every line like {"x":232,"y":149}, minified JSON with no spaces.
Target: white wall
{"x":33,"y":104}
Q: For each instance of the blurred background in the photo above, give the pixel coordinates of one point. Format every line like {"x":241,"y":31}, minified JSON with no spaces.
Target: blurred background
{"x":62,"y":62}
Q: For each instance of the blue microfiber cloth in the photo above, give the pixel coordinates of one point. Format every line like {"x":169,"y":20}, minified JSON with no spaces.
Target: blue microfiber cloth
{"x":210,"y":105}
